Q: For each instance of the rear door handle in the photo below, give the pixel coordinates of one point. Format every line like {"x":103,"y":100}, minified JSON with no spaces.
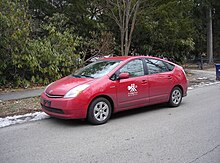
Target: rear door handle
{"x":169,"y":77}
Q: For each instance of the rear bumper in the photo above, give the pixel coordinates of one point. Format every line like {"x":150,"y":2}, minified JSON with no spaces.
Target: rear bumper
{"x":185,"y":94}
{"x":186,"y":88}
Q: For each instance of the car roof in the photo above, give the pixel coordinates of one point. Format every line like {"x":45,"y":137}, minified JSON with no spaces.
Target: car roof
{"x":123,"y":58}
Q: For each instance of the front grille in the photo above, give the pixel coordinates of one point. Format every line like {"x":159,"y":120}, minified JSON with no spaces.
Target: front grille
{"x":53,"y":96}
{"x":53,"y":110}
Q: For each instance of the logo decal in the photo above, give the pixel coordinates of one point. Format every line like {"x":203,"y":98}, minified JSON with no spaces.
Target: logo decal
{"x":132,"y":90}
{"x":50,"y":91}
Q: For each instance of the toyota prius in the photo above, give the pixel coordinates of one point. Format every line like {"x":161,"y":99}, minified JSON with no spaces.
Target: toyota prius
{"x":114,"y":84}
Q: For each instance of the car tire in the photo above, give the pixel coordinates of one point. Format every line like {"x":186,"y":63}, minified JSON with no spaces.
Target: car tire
{"x":175,"y":97}
{"x":99,"y":111}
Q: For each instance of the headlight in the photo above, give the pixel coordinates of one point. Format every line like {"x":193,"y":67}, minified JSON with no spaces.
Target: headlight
{"x":47,"y":86}
{"x":75,"y":91}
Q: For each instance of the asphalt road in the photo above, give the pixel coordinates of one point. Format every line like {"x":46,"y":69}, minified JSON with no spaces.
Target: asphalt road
{"x":188,"y":134}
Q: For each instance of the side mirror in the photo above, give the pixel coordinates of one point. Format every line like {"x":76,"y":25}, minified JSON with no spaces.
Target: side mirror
{"x":123,"y":75}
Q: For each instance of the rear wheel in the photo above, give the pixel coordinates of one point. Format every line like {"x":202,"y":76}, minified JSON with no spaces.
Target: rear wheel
{"x":175,"y":97}
{"x":99,"y":111}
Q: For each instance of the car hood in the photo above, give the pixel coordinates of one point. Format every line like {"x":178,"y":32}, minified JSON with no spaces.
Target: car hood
{"x":62,"y":86}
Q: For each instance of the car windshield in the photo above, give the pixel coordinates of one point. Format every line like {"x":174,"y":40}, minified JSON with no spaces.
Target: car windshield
{"x":97,"y":69}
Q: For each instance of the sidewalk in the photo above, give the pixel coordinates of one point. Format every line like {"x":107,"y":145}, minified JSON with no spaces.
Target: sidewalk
{"x":194,"y":76}
{"x":20,"y":94}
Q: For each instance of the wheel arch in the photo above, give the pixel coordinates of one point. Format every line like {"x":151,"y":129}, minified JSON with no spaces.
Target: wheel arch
{"x":170,"y":102}
{"x":179,"y":86}
{"x":104,"y":96}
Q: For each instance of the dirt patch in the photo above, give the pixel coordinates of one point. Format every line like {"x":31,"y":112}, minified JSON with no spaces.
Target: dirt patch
{"x":19,"y":107}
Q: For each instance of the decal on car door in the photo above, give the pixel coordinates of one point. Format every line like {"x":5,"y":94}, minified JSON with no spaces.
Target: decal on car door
{"x":132,"y":90}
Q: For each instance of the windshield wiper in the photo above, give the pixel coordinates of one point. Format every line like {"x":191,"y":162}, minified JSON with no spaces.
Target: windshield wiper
{"x":87,"y":76}
{"x":79,"y":76}
{"x":76,"y":76}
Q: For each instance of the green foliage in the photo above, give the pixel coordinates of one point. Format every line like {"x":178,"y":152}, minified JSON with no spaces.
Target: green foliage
{"x":54,"y":55}
{"x":14,"y":33}
{"x":166,"y":29}
{"x":216,"y":27}
{"x":25,"y":60}
{"x":43,"y":40}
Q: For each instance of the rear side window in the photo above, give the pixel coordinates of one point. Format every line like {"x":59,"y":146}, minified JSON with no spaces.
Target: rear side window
{"x":169,"y":66}
{"x":155,"y":66}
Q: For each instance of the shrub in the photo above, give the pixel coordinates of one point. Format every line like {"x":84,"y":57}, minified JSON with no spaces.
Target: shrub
{"x":26,"y":60}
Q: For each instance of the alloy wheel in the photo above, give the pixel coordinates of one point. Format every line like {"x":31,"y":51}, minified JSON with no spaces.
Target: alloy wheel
{"x":101,"y":111}
{"x":176,"y":97}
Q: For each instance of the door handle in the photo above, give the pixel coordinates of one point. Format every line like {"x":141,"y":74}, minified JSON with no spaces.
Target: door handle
{"x":169,"y":77}
{"x":143,"y":81}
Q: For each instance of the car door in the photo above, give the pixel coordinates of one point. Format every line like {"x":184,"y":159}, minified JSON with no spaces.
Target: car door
{"x":160,"y":81}
{"x":133,"y":91}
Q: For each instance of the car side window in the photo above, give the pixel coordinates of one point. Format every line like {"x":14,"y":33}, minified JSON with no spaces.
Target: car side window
{"x":169,"y":66}
{"x":134,"y":68}
{"x":155,"y":66}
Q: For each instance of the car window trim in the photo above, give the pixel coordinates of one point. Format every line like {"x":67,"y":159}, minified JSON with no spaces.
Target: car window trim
{"x":145,"y":66}
{"x":166,"y":64}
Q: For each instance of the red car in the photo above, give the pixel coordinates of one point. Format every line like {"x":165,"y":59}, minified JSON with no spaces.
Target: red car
{"x":114,"y":84}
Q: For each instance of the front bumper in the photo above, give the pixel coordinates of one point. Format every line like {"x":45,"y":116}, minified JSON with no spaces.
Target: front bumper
{"x":71,"y":108}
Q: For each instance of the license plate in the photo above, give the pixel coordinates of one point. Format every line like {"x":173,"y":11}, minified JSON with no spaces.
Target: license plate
{"x":47,"y":103}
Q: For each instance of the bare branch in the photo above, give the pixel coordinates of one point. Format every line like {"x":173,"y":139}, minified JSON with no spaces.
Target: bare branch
{"x":111,"y":2}
{"x":126,"y":11}
{"x":133,"y":9}
{"x":133,"y":22}
{"x":119,"y":10}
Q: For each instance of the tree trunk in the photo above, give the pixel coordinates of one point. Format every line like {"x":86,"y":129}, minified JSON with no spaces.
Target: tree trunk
{"x":125,"y":18}
{"x":209,"y":35}
{"x":122,"y":42}
{"x":127,"y":13}
{"x":133,"y":23}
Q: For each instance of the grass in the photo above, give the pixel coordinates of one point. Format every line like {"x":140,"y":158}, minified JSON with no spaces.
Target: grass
{"x":18,"y":107}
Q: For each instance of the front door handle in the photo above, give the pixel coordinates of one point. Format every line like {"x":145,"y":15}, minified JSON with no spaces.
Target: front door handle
{"x":143,"y":81}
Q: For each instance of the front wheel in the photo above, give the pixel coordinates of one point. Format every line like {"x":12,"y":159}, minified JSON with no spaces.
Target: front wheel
{"x":175,"y":97}
{"x":99,"y":111}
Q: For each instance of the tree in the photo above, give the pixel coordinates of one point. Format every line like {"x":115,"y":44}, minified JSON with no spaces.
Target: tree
{"x":40,"y":59}
{"x":165,"y":28}
{"x":216,"y":29}
{"x":84,"y":18}
{"x":209,"y":34}
{"x":213,"y":32}
{"x":124,"y":13}
{"x":14,"y":33}
{"x":206,"y":15}
{"x":54,"y":55}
